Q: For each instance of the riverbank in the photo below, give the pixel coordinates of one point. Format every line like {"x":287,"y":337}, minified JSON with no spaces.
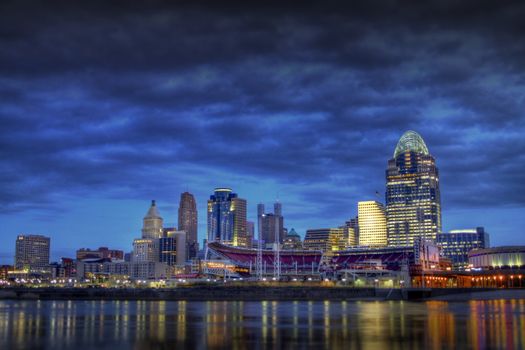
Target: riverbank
{"x":255,"y":293}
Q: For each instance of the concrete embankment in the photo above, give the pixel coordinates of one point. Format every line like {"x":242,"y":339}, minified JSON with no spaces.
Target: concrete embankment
{"x":255,"y":293}
{"x":193,"y":293}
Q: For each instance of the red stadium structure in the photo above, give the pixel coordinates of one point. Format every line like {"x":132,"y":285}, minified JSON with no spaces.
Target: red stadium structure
{"x":293,"y":262}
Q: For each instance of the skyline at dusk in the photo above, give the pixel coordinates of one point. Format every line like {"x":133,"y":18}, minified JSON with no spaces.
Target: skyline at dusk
{"x":103,"y":109}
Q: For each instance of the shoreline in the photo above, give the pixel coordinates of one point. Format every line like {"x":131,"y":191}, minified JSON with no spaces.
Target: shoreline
{"x":260,"y":293}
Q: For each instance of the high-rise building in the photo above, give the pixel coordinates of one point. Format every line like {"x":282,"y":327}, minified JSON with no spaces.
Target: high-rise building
{"x":456,"y":244}
{"x":413,"y":202}
{"x":32,"y":253}
{"x":227,"y":218}
{"x":152,"y":223}
{"x":271,"y":225}
{"x":172,"y":248}
{"x":250,"y":232}
{"x":372,"y":224}
{"x":188,"y":222}
{"x":328,"y":240}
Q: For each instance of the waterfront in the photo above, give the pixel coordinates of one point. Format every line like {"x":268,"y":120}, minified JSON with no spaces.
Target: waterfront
{"x":63,"y":324}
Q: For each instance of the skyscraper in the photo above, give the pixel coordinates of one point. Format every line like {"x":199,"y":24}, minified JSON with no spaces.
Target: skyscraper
{"x":172,"y":248}
{"x":372,"y":224}
{"x":188,"y":222}
{"x":271,"y":225}
{"x":32,"y":253}
{"x":413,"y":202}
{"x":227,"y":218}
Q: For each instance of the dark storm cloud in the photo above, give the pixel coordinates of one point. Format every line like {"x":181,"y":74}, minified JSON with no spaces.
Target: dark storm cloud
{"x":98,"y":97}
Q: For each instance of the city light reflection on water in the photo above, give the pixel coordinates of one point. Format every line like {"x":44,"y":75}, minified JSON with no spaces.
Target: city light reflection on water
{"x":266,"y":324}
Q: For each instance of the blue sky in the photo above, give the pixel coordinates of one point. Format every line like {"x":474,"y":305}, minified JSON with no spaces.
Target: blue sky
{"x":104,"y":107}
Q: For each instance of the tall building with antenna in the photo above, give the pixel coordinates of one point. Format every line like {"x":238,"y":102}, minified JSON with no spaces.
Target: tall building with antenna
{"x":271,"y":225}
{"x":413,"y":200}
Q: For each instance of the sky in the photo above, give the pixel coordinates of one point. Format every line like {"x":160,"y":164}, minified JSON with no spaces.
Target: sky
{"x":106,"y":105}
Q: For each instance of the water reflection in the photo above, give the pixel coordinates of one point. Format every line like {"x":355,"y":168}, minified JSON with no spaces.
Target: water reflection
{"x":260,"y":325}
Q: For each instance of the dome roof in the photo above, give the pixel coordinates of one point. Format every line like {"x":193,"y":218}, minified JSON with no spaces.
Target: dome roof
{"x":411,"y":141}
{"x":153,"y":212}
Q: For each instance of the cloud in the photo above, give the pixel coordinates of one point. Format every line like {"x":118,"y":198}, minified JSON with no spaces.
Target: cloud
{"x":96,"y":99}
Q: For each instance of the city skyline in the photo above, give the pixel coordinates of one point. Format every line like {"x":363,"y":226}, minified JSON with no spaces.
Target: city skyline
{"x":302,"y":106}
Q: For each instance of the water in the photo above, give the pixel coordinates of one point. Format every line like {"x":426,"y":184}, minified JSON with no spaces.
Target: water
{"x":261,"y":325}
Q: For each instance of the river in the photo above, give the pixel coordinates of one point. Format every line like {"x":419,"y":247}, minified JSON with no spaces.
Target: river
{"x":261,"y":325}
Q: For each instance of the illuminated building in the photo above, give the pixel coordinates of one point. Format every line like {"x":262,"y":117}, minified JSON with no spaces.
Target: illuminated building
{"x":4,"y":270}
{"x":188,"y":222}
{"x":327,"y":240}
{"x":32,"y":253}
{"x":152,"y":223}
{"x":271,"y":225}
{"x":149,"y":270}
{"x":351,"y":228}
{"x":292,"y":241}
{"x":508,"y":257}
{"x":413,"y":203}
{"x":145,"y":250}
{"x":172,"y":248}
{"x":227,"y":218}
{"x":372,"y":224}
{"x":102,"y":252}
{"x":458,"y":243}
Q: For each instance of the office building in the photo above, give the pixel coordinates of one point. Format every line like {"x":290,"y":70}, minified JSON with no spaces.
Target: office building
{"x":372,"y":224}
{"x":172,"y":248}
{"x":32,"y":253}
{"x":145,"y":250}
{"x":227,"y":218}
{"x":457,"y":244}
{"x":327,"y":240}
{"x":188,"y":222}
{"x":413,"y":202}
{"x":271,"y":225}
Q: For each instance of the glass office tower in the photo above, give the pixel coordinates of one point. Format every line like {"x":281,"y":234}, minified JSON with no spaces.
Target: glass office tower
{"x":413,"y":203}
{"x":227,"y":218}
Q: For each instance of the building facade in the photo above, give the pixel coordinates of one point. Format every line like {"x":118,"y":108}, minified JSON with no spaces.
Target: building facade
{"x":145,"y":250}
{"x":102,"y":252}
{"x":188,"y":222}
{"x":292,"y":241}
{"x":152,"y":223}
{"x":413,"y":200}
{"x":457,"y":244}
{"x":32,"y":253}
{"x":372,"y":224}
{"x":327,"y":240}
{"x":172,"y":248}
{"x":506,"y":257}
{"x":227,"y":218}
{"x":271,"y":225}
